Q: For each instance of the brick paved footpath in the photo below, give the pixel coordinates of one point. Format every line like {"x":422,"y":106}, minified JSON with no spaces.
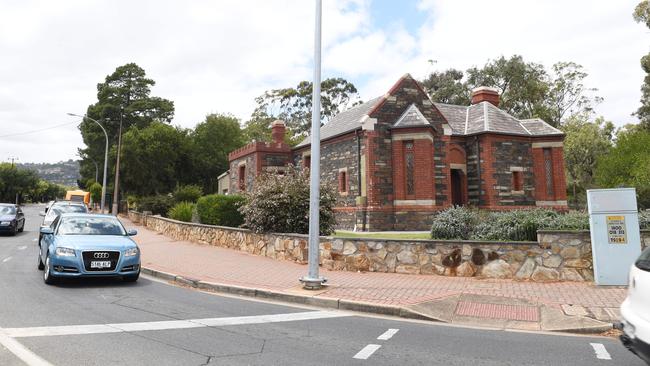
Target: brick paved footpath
{"x":230,"y":267}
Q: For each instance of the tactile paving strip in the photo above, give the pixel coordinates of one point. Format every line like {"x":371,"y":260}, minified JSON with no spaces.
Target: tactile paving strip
{"x":498,"y":311}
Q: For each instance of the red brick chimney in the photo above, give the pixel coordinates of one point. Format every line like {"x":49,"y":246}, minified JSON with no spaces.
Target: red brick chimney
{"x":277,"y":131}
{"x":485,"y":94}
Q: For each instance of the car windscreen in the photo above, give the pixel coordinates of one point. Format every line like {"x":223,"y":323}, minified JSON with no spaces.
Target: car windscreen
{"x":7,"y":210}
{"x":57,"y":210}
{"x":643,"y":262}
{"x":90,"y":226}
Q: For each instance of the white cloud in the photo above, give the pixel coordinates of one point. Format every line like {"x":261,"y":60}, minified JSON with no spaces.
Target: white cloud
{"x":217,"y":56}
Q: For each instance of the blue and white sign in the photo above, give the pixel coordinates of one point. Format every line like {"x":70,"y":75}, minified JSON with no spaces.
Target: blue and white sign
{"x":615,"y":236}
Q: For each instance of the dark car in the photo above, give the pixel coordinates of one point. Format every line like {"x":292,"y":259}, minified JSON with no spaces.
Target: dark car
{"x":12,"y":219}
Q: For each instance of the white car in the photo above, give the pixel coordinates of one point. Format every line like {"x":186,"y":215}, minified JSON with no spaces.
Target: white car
{"x":635,"y":310}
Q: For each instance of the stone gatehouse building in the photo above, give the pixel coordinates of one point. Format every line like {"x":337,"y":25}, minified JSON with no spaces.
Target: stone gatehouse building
{"x":399,"y":158}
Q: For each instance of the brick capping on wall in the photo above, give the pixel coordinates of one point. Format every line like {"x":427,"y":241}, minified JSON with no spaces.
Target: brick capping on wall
{"x":557,"y":255}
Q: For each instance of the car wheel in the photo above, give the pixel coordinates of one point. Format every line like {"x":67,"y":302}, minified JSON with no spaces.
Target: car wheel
{"x":48,"y":278}
{"x":131,"y":278}
{"x":41,"y":266}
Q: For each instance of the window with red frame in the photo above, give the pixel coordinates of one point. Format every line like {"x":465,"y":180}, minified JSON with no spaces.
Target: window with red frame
{"x":306,"y":164}
{"x":517,"y":181}
{"x":343,"y":181}
{"x":242,"y":178}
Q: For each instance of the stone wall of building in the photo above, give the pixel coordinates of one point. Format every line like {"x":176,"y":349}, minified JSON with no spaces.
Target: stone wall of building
{"x":558,"y":256}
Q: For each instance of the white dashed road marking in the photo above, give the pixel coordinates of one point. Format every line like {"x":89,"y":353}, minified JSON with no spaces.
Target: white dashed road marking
{"x":388,"y":334}
{"x":165,"y":325}
{"x":6,"y":259}
{"x":601,"y":352}
{"x":367,"y":351}
{"x":35,"y":239}
{"x":22,"y":247}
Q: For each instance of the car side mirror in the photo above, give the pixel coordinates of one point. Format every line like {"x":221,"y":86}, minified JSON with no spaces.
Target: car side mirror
{"x":42,"y":213}
{"x":47,"y":230}
{"x":132,"y":232}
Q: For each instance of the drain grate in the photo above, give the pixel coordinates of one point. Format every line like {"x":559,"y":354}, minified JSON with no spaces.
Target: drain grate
{"x":498,"y":311}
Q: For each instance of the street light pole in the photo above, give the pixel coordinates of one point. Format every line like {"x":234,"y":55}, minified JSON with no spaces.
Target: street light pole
{"x":313,"y":281}
{"x":117,"y":168}
{"x":105,"y":156}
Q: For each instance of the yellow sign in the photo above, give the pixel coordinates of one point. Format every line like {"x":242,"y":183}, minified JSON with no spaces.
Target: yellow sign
{"x":616,"y":230}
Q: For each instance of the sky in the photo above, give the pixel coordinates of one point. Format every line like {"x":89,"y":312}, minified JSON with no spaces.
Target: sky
{"x":217,"y":56}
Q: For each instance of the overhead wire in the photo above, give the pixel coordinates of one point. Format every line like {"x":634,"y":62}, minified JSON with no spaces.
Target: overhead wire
{"x":38,"y":130}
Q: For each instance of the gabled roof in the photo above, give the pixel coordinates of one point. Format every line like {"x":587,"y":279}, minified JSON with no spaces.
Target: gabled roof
{"x":412,"y":117}
{"x":345,"y":121}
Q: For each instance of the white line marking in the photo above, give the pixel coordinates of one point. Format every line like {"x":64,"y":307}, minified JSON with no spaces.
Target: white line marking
{"x":35,"y":239}
{"x":22,"y":352}
{"x":6,"y":259}
{"x":601,"y":352}
{"x":164,"y":325}
{"x":22,"y":247}
{"x":388,"y":334}
{"x":367,"y":351}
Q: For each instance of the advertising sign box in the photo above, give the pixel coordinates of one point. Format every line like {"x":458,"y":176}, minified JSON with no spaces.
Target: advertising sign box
{"x":615,"y":236}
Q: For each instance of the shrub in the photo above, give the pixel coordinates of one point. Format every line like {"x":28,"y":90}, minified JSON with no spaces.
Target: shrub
{"x":158,"y":205}
{"x":573,"y":220}
{"x":280,"y":203}
{"x":218,"y":209}
{"x":644,"y":219}
{"x":518,"y":225}
{"x":454,"y":223}
{"x":188,"y":193}
{"x":95,"y":190}
{"x":182,"y":211}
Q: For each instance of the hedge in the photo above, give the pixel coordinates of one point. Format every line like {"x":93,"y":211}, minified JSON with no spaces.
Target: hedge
{"x":182,"y":211}
{"x":222,"y":210}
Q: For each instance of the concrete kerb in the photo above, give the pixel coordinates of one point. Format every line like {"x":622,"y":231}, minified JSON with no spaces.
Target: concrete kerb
{"x":325,"y":302}
{"x":575,"y":326}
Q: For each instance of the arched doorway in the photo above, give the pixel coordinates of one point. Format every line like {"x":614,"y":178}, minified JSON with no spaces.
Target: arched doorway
{"x":457,"y":187}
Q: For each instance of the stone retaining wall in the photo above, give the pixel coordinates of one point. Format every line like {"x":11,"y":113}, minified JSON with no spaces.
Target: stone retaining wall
{"x":558,"y":255}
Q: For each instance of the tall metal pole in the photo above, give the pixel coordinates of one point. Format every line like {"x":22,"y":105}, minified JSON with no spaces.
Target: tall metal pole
{"x":313,"y":281}
{"x":117,"y":169}
{"x":105,"y":157}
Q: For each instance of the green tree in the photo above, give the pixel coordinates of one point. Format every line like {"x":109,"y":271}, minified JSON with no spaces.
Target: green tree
{"x":447,"y":87}
{"x":15,"y":182}
{"x":642,"y":15}
{"x":628,"y":164}
{"x":584,"y":144}
{"x":293,"y":105}
{"x":522,"y":84}
{"x":155,"y":159}
{"x":213,"y":140}
{"x":527,"y":89}
{"x":124,"y":95}
{"x":95,"y":190}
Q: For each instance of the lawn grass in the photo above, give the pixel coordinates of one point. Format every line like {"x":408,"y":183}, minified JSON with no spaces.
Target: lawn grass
{"x":347,"y":234}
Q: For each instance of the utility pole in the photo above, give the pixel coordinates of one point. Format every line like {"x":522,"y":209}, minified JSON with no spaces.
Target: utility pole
{"x":13,"y":159}
{"x":313,"y":281}
{"x":117,"y":168}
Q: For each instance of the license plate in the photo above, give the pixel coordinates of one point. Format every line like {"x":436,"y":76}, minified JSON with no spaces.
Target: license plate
{"x":100,"y":264}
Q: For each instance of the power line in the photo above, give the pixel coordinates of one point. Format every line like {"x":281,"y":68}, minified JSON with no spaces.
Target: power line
{"x":39,"y":130}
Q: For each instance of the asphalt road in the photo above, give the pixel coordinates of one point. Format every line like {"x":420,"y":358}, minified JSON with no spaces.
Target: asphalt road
{"x":108,"y":322}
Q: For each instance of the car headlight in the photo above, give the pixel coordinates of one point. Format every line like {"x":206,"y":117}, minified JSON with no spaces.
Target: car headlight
{"x":131,"y":252}
{"x":5,"y":223}
{"x":65,"y":252}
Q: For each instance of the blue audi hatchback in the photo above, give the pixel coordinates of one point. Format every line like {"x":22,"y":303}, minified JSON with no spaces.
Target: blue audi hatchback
{"x":88,"y":245}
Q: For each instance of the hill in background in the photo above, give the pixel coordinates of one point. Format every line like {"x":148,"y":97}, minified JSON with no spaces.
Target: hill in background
{"x":63,"y":172}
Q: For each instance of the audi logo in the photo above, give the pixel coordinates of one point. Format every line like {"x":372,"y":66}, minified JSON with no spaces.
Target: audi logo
{"x":100,"y":255}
